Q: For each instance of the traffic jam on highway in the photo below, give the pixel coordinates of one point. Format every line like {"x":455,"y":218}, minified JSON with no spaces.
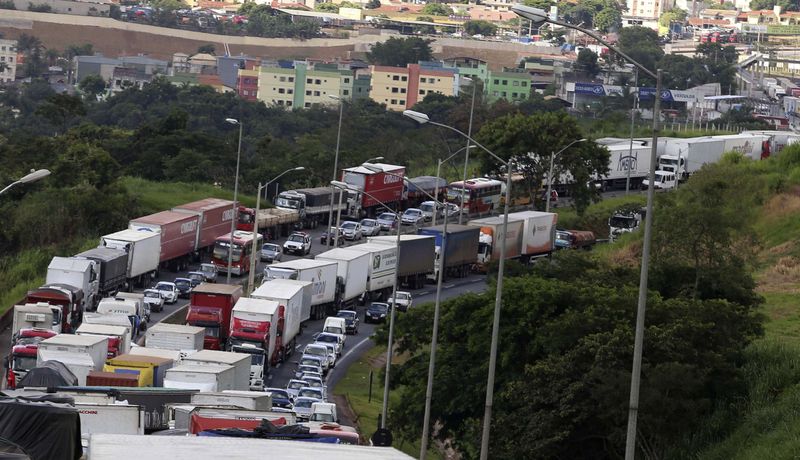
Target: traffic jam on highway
{"x":145,"y":334}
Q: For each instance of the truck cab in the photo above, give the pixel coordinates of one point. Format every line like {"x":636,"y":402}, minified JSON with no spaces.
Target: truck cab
{"x":623,"y":222}
{"x":23,"y":354}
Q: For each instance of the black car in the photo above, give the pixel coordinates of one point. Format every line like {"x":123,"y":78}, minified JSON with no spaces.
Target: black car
{"x":184,"y":286}
{"x":350,"y":321}
{"x":376,"y":313}
{"x":280,"y":397}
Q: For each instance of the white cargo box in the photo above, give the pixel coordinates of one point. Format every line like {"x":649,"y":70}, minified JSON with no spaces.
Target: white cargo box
{"x":111,"y":419}
{"x":176,"y":337}
{"x":208,"y":377}
{"x":95,"y":346}
{"x":239,"y":361}
{"x":250,"y":400}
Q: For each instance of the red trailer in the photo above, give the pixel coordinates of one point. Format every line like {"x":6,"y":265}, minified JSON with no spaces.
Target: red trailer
{"x":215,"y":217}
{"x":384,"y":186}
{"x":210,"y":307}
{"x":69,"y":298}
{"x":178,"y":235}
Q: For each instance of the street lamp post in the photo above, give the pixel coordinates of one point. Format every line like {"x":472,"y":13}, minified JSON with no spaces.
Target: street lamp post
{"x":251,"y":278}
{"x":498,"y":298}
{"x":33,"y":176}
{"x":336,"y":167}
{"x":234,"y":121}
{"x":438,"y":176}
{"x":466,"y":156}
{"x":540,"y":16}
{"x":550,"y":173}
{"x":385,"y":405}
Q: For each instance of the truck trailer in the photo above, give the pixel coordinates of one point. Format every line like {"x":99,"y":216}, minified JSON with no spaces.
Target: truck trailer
{"x":113,"y":268}
{"x":177,"y":337}
{"x":322,"y":275}
{"x":294,"y":307}
{"x":178,"y":232}
{"x":143,"y":249}
{"x":214,"y":220}
{"x":239,"y":361}
{"x":208,"y":377}
{"x":119,"y":339}
{"x":150,"y":370}
{"x":382,"y":267}
{"x":417,"y":256}
{"x":461,"y":251}
{"x":352,"y":273}
{"x":375,"y":189}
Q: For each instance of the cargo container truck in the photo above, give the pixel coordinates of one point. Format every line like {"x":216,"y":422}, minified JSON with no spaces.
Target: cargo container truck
{"x":417,"y":255}
{"x":111,"y":379}
{"x":113,"y":319}
{"x":119,"y":338}
{"x":78,"y":272}
{"x":491,"y":237}
{"x":180,"y":338}
{"x":575,"y":239}
{"x":36,"y":315}
{"x":322,"y":275}
{"x":81,"y":354}
{"x":202,"y":377}
{"x":80,"y":364}
{"x":254,"y":324}
{"x":460,"y":253}
{"x":113,"y":269}
{"x":68,"y":298}
{"x":382,"y":268}
{"x":24,"y":350}
{"x":385,"y":188}
{"x":352,"y":274}
{"x":272,"y":221}
{"x":143,"y":249}
{"x":210,"y":307}
{"x":621,"y":158}
{"x":127,"y":307}
{"x":214,"y":220}
{"x":110,"y":419}
{"x":150,"y":370}
{"x":539,"y":234}
{"x":249,"y":400}
{"x":312,"y":205}
{"x":239,"y":361}
{"x":178,"y":232}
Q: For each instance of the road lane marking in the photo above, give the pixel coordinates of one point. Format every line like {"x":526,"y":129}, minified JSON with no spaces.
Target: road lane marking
{"x":352,"y":349}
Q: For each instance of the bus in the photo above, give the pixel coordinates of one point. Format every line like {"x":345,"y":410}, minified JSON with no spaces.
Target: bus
{"x":243,"y":245}
{"x":480,"y":194}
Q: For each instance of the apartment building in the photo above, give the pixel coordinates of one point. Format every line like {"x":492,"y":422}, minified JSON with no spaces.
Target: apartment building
{"x":8,"y":61}
{"x":303,"y":84}
{"x":513,"y":85}
{"x":402,"y":87}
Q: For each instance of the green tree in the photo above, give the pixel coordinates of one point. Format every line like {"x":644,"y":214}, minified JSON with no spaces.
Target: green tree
{"x":641,"y":44}
{"x":437,"y":9}
{"x":672,"y":15}
{"x":609,"y":19}
{"x":61,"y":110}
{"x":587,"y":62}
{"x":327,"y":7}
{"x":786,"y":5}
{"x":208,"y":48}
{"x":481,"y":27}
{"x":401,"y":51}
{"x":92,"y":86}
{"x":529,"y":140}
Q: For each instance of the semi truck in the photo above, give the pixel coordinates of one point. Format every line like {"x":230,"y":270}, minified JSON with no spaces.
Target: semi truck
{"x":382,"y":268}
{"x":239,"y":361}
{"x":460,"y":253}
{"x":63,"y":296}
{"x":80,"y":353}
{"x":539,"y":234}
{"x":417,"y":257}
{"x":143,"y":249}
{"x":323,"y":277}
{"x":272,"y":221}
{"x":178,"y":232}
{"x":78,"y":272}
{"x":119,"y":339}
{"x":374,"y":190}
{"x":24,"y":351}
{"x":623,"y":157}
{"x":217,"y":377}
{"x":254,"y":324}
{"x":113,"y":269}
{"x":214,"y":219}
{"x":531,"y":234}
{"x":177,"y":337}
{"x":210,"y":307}
{"x":36,"y":316}
{"x":352,"y":274}
{"x":150,"y":370}
{"x":312,"y":205}
{"x":294,"y":307}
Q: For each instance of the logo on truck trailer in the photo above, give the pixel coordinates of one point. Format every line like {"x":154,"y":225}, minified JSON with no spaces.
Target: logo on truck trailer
{"x":188,"y":227}
{"x":227,"y":215}
{"x":391,"y":179}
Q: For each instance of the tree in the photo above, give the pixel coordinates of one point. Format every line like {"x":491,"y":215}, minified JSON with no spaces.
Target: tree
{"x":208,"y":48}
{"x":786,"y":5}
{"x":372,"y":4}
{"x":437,"y":9}
{"x":327,"y":7}
{"x":609,"y":19}
{"x":587,"y":61}
{"x":399,"y":52}
{"x":92,"y":86}
{"x":672,"y":15}
{"x":641,"y":44}
{"x":529,"y":140}
{"x":481,"y":27}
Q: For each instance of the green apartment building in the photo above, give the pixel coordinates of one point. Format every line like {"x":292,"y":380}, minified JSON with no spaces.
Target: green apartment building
{"x":303,"y":84}
{"x":512,"y":85}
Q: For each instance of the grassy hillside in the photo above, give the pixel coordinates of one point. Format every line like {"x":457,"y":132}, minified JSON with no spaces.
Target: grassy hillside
{"x":158,"y":196}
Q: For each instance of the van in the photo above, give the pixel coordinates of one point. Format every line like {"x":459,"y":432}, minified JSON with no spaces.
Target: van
{"x":337,"y":326}
{"x":127,"y":307}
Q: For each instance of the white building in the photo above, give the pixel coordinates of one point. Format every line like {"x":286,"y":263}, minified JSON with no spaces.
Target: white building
{"x":645,"y":12}
{"x":8,"y":56}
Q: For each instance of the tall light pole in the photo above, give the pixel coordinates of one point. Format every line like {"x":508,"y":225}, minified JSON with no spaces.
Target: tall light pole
{"x":33,"y":176}
{"x":438,"y":176}
{"x":234,"y":121}
{"x":541,"y":16}
{"x":339,"y":211}
{"x":550,"y":173}
{"x":336,"y":168}
{"x":435,"y":333}
{"x":498,"y":298}
{"x":251,"y":277}
{"x":385,"y":404}
{"x":466,"y":157}
{"x":633,"y":118}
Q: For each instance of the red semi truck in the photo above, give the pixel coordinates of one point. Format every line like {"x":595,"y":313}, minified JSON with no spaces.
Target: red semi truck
{"x":210,"y":307}
{"x":178,"y":236}
{"x":215,"y":216}
{"x":68,"y":298}
{"x":385,"y":186}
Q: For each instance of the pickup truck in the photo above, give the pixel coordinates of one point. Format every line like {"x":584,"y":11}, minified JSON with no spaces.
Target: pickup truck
{"x":298,"y":243}
{"x":403,"y":301}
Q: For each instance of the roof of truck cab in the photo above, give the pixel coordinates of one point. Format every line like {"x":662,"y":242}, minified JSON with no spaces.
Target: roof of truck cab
{"x":252,"y":305}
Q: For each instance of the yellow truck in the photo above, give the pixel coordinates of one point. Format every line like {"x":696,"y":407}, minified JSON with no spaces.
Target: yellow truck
{"x":149,"y":369}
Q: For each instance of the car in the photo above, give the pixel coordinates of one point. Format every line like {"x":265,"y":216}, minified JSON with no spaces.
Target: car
{"x":370,"y":227}
{"x":427,"y":208}
{"x":412,"y":216}
{"x":154,"y":299}
{"x":280,"y":397}
{"x":351,"y":230}
{"x":330,"y":234}
{"x":270,"y":252}
{"x":452,"y":209}
{"x":184,"y":286}
{"x":325,"y":337}
{"x":307,"y":369}
{"x":403,"y":300}
{"x":311,"y":392}
{"x":376,"y":312}
{"x":302,"y":407}
{"x":312,"y":374}
{"x":308,"y":363}
{"x":350,"y":321}
{"x":320,"y":351}
{"x":314,"y":381}
{"x":332,"y":353}
{"x":196,"y":278}
{"x":293,"y":388}
{"x":298,"y":243}
{"x":209,"y":271}
{"x":168,"y":290}
{"x":387,"y":221}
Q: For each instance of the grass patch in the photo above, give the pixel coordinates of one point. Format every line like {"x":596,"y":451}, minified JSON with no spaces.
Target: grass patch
{"x":355,"y":385}
{"x":159,"y":196}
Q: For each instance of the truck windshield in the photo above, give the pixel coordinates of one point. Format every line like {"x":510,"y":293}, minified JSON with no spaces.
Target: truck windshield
{"x":245,"y":218}
{"x":256,"y":354}
{"x":212,"y":331}
{"x":287,"y":203}
{"x":24,"y":363}
{"x":622,"y":222}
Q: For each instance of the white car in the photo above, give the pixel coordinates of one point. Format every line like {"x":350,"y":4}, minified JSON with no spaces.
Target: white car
{"x":403,"y":300}
{"x":298,"y":243}
{"x":331,"y":352}
{"x":325,"y":337}
{"x":370,"y":227}
{"x":168,"y":290}
{"x":412,"y":216}
{"x":321,"y":352}
{"x":351,"y":230}
{"x":294,"y":386}
{"x":154,"y":299}
{"x":302,"y":407}
{"x":427,"y":208}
